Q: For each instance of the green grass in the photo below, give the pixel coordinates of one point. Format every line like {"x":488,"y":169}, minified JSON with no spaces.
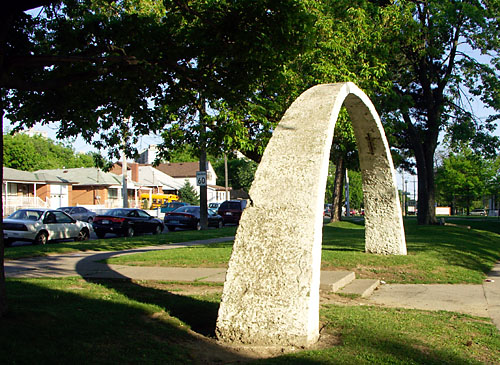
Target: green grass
{"x":71,"y":320}
{"x":436,"y":254}
{"x":116,"y":244}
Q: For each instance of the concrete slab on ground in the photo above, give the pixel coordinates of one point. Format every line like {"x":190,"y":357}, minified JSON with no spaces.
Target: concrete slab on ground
{"x":461,"y":298}
{"x":334,"y":280}
{"x":361,"y":287}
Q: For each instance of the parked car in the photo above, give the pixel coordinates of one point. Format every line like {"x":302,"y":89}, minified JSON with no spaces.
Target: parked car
{"x":170,"y":207}
{"x":231,"y":210}
{"x":328,"y":210}
{"x":79,"y":213}
{"x":478,"y":212}
{"x":42,"y":225}
{"x":188,"y":217}
{"x":126,"y":222}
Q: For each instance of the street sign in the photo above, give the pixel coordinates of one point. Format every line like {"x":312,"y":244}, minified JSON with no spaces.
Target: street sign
{"x":201,"y":178}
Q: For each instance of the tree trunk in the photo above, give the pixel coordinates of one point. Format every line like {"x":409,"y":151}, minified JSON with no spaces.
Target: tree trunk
{"x":336,"y":214}
{"x":3,"y":293}
{"x":426,"y":191}
{"x":424,"y":156}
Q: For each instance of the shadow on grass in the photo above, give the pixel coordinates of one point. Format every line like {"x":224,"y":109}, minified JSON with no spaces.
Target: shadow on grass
{"x":187,"y":309}
{"x":73,"y":321}
{"x":199,"y":315}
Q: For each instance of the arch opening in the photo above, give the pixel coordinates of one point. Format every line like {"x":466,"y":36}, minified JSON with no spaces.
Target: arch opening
{"x":271,"y":292}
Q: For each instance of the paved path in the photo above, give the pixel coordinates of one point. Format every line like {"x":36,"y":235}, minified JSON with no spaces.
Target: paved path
{"x":481,"y":300}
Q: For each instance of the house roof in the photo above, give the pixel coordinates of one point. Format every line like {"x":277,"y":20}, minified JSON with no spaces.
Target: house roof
{"x":85,"y":176}
{"x":179,"y":169}
{"x":10,"y":174}
{"x":149,"y":176}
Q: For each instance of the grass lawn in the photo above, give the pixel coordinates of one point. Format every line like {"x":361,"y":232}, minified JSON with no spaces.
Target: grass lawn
{"x":116,"y":244}
{"x":71,"y":320}
{"x":436,"y":254}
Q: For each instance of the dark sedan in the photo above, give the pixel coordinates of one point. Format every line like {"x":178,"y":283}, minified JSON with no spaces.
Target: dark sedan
{"x":126,"y":222}
{"x":188,"y":217}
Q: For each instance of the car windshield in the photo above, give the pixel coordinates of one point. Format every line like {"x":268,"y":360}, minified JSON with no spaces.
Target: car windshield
{"x":187,"y":209}
{"x":118,"y":212}
{"x":232,"y":205}
{"x":32,"y":215}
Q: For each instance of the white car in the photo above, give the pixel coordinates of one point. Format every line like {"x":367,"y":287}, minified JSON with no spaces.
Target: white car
{"x":42,"y":225}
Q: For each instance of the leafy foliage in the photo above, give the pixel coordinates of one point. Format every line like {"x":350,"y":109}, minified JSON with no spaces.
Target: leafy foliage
{"x":463,"y":178}
{"x":241,"y":173}
{"x":27,"y":153}
{"x":188,"y":194}
{"x":78,"y":63}
{"x":432,"y":66}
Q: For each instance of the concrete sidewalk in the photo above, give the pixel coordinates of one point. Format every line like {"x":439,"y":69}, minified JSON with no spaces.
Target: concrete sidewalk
{"x":480,"y":300}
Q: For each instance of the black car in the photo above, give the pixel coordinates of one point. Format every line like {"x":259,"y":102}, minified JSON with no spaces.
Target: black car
{"x":79,"y":213}
{"x":231,"y":210}
{"x":127,"y":222}
{"x":189,"y":217}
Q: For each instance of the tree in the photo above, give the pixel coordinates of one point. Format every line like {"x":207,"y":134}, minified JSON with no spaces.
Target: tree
{"x":27,"y":153}
{"x":462,"y":178}
{"x":241,"y":173}
{"x":78,"y":64}
{"x":431,"y":68}
{"x":188,"y":194}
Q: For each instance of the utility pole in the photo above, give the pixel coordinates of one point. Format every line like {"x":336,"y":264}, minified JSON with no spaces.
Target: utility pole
{"x":347,"y":207}
{"x":124,"y":179}
{"x":203,"y":167}
{"x":403,"y":195}
{"x":124,"y":164}
{"x":226,"y":177}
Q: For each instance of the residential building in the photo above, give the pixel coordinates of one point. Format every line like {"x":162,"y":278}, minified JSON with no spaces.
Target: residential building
{"x":23,"y":189}
{"x":186,"y":171}
{"x":95,"y":188}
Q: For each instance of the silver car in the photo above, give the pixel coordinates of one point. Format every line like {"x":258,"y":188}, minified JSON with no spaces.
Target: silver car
{"x":80,"y":213}
{"x":42,"y":225}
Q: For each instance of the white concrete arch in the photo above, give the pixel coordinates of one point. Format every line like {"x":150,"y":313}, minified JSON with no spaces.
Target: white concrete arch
{"x":271,"y":293}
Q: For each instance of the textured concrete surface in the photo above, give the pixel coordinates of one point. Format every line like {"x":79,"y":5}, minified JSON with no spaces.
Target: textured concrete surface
{"x":271,"y":293}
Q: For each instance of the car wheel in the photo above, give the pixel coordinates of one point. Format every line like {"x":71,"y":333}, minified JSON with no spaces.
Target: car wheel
{"x":158,"y":229}
{"x":7,"y":242}
{"x":90,"y":220}
{"x":83,"y":235}
{"x":130,"y":232}
{"x":100,"y":234}
{"x":220,"y":224}
{"x":41,"y":238}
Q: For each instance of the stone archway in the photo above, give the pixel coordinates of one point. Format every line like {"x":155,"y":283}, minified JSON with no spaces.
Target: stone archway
{"x":271,"y":293}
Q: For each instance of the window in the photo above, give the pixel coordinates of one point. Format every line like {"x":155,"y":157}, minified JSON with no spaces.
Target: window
{"x":62,"y":218}
{"x":143,"y":214}
{"x":112,"y":193}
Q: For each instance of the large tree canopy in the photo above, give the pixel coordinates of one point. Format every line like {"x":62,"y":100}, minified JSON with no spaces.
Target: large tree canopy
{"x":113,"y":71}
{"x":23,"y":152}
{"x":464,"y":177}
{"x":90,"y":65}
{"x":434,"y":70}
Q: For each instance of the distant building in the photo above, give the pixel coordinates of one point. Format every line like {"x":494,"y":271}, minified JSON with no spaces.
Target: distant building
{"x":148,"y":155}
{"x":186,"y":171}
{"x":33,"y":132}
